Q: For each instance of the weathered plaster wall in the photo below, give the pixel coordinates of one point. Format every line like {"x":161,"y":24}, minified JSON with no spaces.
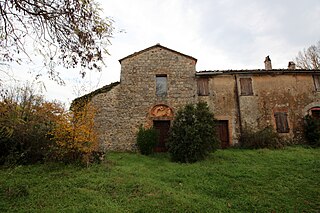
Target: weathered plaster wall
{"x":222,"y":102}
{"x":289,"y":93}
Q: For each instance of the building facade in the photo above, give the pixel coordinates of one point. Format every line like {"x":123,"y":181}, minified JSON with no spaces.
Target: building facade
{"x":157,"y":81}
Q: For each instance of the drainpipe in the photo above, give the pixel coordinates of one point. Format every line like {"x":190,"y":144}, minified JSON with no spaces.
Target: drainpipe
{"x":236,"y":91}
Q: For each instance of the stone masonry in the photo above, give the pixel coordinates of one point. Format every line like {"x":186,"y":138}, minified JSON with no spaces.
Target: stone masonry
{"x":288,"y":93}
{"x":127,"y":106}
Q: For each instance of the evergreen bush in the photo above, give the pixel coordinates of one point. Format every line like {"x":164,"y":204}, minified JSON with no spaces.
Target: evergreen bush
{"x":146,"y":140}
{"x":312,"y":131}
{"x":193,"y":134}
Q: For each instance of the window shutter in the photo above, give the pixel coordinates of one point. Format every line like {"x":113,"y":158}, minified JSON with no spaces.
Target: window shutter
{"x":203,"y":86}
{"x":246,"y":86}
{"x":316,"y":79}
{"x":281,"y":122}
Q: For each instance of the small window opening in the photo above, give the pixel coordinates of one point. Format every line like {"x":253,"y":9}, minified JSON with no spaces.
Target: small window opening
{"x":316,"y":80}
{"x":161,"y":85}
{"x":203,"y":86}
{"x":246,"y":86}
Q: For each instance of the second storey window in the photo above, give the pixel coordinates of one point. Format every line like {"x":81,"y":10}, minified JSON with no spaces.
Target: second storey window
{"x":246,"y":86}
{"x":316,"y":79}
{"x":203,"y":86}
{"x":161,"y":85}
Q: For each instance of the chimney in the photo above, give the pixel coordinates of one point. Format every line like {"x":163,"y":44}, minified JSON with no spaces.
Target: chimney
{"x":267,"y":63}
{"x":291,"y":65}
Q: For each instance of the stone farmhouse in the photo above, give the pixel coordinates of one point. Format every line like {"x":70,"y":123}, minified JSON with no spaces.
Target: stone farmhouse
{"x":157,"y":81}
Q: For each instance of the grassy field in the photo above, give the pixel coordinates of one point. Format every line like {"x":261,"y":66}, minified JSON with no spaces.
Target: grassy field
{"x":229,"y":181}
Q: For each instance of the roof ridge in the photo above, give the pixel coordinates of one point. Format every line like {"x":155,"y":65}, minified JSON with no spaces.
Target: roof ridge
{"x":157,"y":45}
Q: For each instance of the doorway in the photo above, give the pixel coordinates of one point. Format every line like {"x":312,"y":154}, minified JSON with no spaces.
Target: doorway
{"x":163,"y":129}
{"x":315,"y":113}
{"x":223,"y":133}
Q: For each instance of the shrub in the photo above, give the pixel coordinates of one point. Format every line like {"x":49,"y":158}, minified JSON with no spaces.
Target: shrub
{"x":34,"y":130}
{"x":25,"y":120}
{"x":75,"y":137}
{"x":312,"y":131}
{"x":193,"y":134}
{"x":146,"y":140}
{"x":265,"y":138}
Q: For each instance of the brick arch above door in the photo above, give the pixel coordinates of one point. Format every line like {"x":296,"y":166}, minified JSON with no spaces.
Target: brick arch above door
{"x":161,"y":111}
{"x":307,"y":109}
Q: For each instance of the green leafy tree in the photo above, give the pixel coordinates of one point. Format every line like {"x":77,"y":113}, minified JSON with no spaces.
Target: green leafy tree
{"x":66,"y":32}
{"x":193,"y":134}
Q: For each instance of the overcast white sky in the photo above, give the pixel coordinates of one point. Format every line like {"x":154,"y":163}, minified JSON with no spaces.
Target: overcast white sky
{"x":221,"y":34}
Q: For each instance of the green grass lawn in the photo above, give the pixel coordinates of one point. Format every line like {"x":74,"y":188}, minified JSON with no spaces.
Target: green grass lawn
{"x":229,"y":181}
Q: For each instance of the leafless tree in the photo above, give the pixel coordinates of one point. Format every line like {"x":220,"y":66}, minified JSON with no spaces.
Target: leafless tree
{"x":309,"y":58}
{"x":65,"y":32}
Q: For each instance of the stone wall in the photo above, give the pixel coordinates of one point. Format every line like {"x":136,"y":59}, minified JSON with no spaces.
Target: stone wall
{"x":134,"y":102}
{"x":127,"y":106}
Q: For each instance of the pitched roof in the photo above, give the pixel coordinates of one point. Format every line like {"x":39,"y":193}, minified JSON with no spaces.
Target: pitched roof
{"x":256,"y":71}
{"x":83,"y":100}
{"x":157,"y":45}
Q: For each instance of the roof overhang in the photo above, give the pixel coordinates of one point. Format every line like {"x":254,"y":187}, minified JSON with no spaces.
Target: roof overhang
{"x":257,"y":72}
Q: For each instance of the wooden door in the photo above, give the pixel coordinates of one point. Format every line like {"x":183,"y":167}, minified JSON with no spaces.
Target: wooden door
{"x":223,"y":133}
{"x":163,"y":129}
{"x":315,"y":113}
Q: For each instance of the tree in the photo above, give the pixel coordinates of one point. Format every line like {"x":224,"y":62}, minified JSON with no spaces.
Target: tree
{"x":35,"y":130}
{"x":75,"y":136}
{"x":309,"y":58}
{"x":193,"y":134}
{"x":25,"y":121}
{"x":65,"y":32}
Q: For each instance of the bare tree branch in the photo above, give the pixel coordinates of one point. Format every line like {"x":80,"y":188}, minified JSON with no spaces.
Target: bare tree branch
{"x":309,"y":58}
{"x":68,"y":32}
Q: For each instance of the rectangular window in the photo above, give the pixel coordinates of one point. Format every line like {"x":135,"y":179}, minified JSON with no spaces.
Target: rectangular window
{"x":161,"y":85}
{"x":316,"y":80}
{"x":203,"y":86}
{"x":246,"y":86}
{"x":281,"y":122}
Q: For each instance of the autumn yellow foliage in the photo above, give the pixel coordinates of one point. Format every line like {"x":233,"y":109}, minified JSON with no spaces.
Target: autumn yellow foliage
{"x":26,"y":118}
{"x":75,"y":135}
